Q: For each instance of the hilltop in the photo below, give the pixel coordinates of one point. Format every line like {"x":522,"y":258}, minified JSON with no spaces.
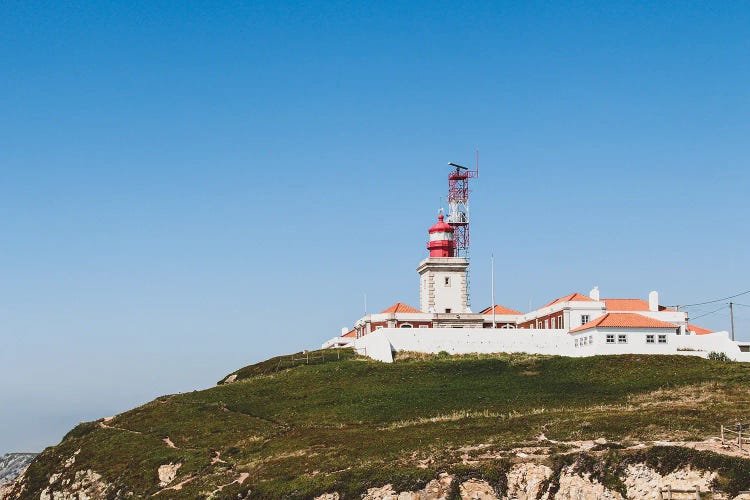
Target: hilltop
{"x":301,"y":426}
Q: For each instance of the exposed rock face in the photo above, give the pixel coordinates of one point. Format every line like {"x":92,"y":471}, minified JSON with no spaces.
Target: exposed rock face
{"x":86,"y":485}
{"x":328,"y":496}
{"x":474,"y":489}
{"x":643,"y":481}
{"x":12,"y":465}
{"x":525,"y":480}
{"x":581,"y":487}
{"x":437,"y":489}
{"x":167,"y":473}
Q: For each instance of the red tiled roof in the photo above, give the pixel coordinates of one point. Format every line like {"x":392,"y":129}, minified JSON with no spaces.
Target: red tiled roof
{"x":350,"y":333}
{"x":624,"y":320}
{"x":400,"y":307}
{"x":500,"y":310}
{"x":698,"y":330}
{"x":629,"y":305}
{"x":626,"y":304}
{"x":573,"y":297}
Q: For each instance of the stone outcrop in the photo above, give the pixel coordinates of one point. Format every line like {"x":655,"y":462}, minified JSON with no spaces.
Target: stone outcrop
{"x":167,"y":473}
{"x":474,"y":489}
{"x":643,"y":481}
{"x":526,"y":480}
{"x":12,"y":465}
{"x":437,"y":489}
{"x":85,"y":485}
{"x":580,"y":487}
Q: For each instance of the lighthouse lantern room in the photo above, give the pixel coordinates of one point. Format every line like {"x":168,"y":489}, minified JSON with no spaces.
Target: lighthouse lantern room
{"x":441,"y":242}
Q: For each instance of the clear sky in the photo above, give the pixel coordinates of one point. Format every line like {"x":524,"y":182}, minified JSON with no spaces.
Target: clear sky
{"x":190,"y":187}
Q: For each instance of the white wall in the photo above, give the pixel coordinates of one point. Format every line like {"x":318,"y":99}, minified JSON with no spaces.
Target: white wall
{"x":470,"y":340}
{"x":636,"y":342}
{"x":572,"y":312}
{"x":689,"y":345}
{"x":553,"y":342}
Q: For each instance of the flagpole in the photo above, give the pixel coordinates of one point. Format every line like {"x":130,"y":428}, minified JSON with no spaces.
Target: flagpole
{"x":494,"y":323}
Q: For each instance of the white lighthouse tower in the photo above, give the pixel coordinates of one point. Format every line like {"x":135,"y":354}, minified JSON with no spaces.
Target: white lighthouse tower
{"x":443,"y":285}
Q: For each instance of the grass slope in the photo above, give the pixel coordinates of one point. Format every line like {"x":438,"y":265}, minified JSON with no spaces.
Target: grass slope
{"x":351,"y":423}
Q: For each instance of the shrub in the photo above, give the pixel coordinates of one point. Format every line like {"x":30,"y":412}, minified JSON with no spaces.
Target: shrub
{"x":718,"y":356}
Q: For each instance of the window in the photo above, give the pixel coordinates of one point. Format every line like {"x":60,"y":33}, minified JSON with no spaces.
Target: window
{"x":591,"y":339}
{"x":423,"y":326}
{"x":662,"y":339}
{"x":622,"y":338}
{"x":576,"y":342}
{"x":405,"y":325}
{"x":649,"y":339}
{"x":610,"y":338}
{"x":447,"y":310}
{"x":546,"y":323}
{"x":584,"y":319}
{"x":447,"y":281}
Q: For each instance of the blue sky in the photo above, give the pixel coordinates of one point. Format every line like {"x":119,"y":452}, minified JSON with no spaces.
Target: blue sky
{"x":190,"y":187}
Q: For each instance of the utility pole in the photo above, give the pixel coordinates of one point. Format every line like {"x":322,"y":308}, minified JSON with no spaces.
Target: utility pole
{"x":731,"y":317}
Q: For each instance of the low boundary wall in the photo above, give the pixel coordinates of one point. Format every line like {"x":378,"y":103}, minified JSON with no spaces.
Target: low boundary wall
{"x":383,"y":342}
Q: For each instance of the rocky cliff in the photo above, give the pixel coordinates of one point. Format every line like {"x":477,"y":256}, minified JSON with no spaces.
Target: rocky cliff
{"x":12,"y":465}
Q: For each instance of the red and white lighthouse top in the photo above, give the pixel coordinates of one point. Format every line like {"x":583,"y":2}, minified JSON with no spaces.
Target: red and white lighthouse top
{"x":441,"y":239}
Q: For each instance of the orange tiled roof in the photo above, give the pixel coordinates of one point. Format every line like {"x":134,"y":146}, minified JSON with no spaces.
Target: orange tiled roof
{"x":698,"y":330}
{"x":573,"y":297}
{"x":500,"y":310}
{"x":400,"y":307}
{"x":624,"y":320}
{"x":350,"y":333}
{"x":626,"y":304}
{"x":629,"y":305}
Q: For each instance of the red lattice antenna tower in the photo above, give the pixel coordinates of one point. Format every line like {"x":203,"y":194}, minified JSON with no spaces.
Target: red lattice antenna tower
{"x":458,"y":206}
{"x":458,"y":211}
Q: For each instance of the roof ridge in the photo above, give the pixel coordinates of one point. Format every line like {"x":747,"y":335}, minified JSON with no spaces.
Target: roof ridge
{"x":400,"y":307}
{"x":489,"y":309}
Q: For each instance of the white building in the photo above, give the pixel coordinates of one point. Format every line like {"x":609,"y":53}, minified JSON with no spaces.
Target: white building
{"x":572,"y":325}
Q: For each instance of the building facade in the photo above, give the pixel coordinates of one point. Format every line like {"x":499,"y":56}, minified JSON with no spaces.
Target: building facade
{"x":574,"y":324}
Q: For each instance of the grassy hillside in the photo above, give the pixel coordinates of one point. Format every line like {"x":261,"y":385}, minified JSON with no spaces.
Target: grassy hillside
{"x":345,"y":424}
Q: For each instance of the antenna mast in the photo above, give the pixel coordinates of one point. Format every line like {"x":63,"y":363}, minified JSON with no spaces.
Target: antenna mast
{"x":458,"y":210}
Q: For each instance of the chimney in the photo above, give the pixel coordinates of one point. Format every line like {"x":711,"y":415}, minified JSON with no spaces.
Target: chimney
{"x":594,"y":293}
{"x":653,"y":301}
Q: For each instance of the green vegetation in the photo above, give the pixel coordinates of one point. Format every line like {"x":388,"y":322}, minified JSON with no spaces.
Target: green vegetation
{"x":344,"y":423}
{"x":718,"y":356}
